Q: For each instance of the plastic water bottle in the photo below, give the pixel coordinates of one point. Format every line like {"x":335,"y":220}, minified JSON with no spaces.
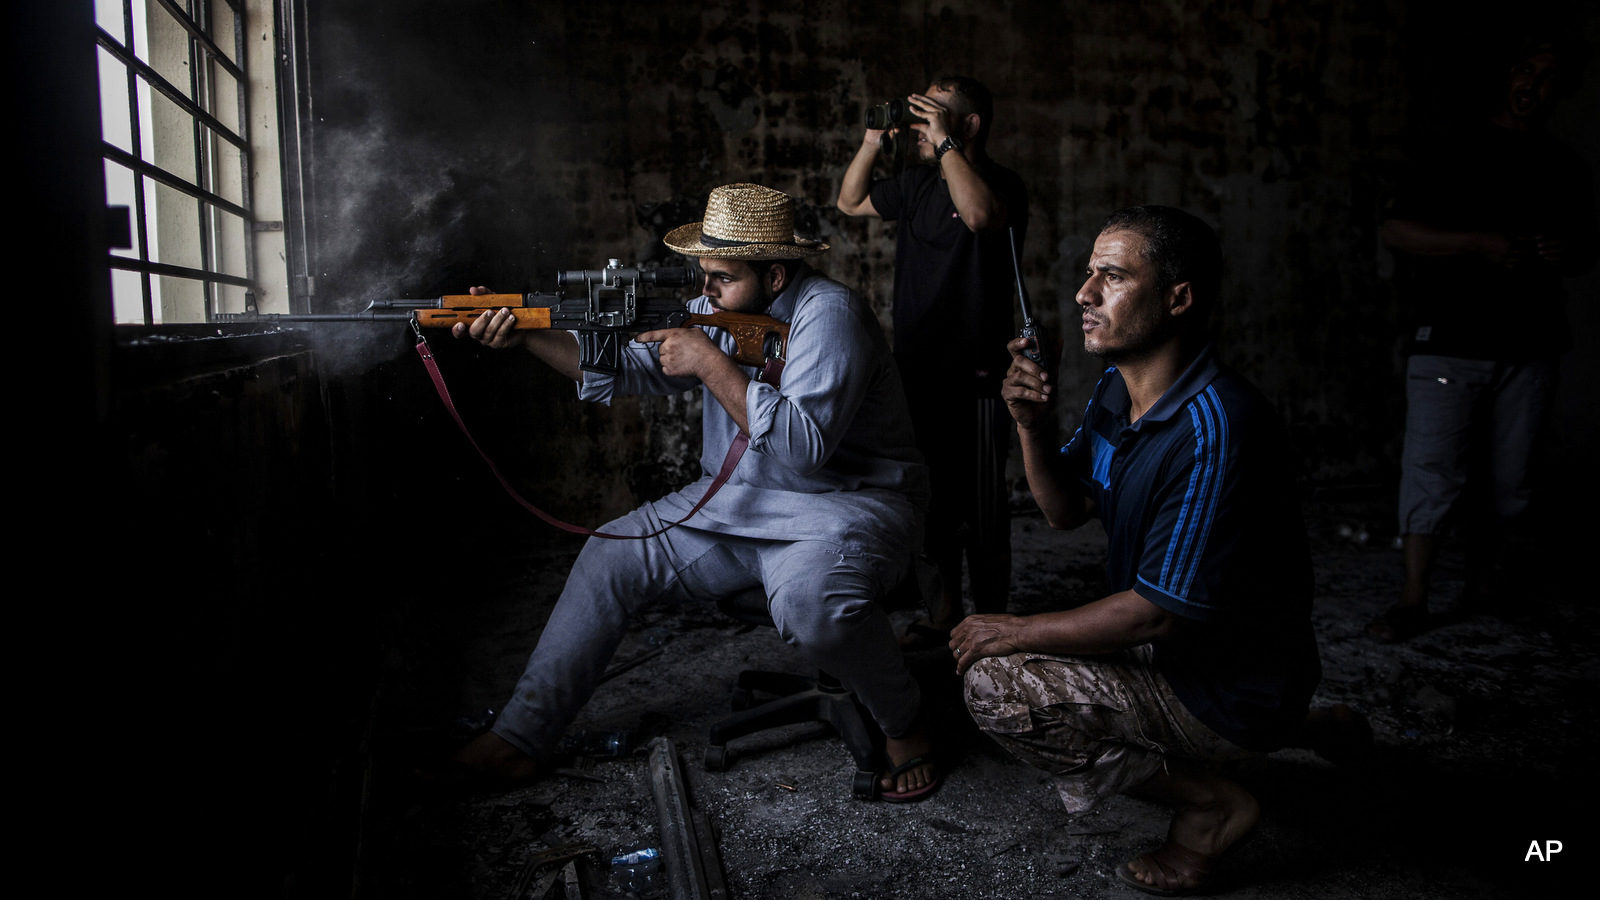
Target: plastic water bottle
{"x":598,"y":744}
{"x":635,"y":870}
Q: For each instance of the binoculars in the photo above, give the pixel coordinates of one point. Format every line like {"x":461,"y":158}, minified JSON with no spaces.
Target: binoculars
{"x":894,"y":114}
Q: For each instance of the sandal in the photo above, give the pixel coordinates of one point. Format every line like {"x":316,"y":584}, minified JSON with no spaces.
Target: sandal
{"x":915,"y":794}
{"x":1400,"y":622}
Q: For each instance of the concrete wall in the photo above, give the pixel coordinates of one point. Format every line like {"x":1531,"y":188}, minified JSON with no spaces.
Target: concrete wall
{"x":243,"y":609}
{"x":496,"y":142}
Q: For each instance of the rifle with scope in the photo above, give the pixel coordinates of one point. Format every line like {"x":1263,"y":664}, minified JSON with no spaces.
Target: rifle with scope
{"x":606,"y":308}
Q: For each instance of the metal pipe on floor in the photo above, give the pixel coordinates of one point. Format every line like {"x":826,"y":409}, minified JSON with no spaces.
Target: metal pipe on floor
{"x":688,"y":848}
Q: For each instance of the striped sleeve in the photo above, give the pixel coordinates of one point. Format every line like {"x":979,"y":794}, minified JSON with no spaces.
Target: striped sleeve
{"x":1175,"y":546}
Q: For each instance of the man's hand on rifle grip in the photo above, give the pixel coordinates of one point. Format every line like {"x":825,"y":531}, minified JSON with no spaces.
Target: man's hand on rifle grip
{"x":685,"y":351}
{"x":1026,"y":390}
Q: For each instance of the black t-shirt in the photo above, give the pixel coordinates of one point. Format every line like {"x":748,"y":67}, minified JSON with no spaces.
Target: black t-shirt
{"x":1520,"y":184}
{"x":1202,"y":519}
{"x":954,"y":289}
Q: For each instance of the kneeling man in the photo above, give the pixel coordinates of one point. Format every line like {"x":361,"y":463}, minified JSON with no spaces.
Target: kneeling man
{"x":1203,"y":651}
{"x":823,"y":512}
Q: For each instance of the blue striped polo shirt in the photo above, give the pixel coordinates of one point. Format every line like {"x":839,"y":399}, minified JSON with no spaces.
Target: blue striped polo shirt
{"x":1202,"y":517}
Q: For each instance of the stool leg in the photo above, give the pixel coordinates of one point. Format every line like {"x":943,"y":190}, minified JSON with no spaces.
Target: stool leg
{"x":859,"y":738}
{"x":801,"y":700}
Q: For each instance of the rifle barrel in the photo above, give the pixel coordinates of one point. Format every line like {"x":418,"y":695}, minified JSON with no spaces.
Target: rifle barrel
{"x":368,"y":315}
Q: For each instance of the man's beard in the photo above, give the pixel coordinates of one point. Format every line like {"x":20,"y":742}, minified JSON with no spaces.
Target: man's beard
{"x":1145,"y":334}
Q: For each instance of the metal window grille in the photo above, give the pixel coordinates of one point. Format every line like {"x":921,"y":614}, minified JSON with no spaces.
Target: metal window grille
{"x":174,"y":119}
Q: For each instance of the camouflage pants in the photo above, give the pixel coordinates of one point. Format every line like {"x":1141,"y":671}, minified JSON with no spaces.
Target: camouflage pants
{"x":1098,"y":724}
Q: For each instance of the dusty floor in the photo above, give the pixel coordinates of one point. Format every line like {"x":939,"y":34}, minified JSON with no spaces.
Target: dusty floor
{"x":1485,"y":728}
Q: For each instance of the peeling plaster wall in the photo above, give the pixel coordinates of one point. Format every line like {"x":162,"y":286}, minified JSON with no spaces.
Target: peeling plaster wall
{"x":494,"y":143}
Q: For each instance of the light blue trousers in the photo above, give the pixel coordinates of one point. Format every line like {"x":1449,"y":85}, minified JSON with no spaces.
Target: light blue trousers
{"x":822,"y":596}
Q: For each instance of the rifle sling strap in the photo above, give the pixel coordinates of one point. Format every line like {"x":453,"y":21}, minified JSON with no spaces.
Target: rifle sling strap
{"x":771,"y":371}
{"x":735,"y":451}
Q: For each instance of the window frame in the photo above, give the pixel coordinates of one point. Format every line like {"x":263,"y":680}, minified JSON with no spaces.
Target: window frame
{"x":237,"y":189}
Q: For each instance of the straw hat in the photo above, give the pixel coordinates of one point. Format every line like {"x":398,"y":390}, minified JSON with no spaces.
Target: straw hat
{"x":744,"y":221}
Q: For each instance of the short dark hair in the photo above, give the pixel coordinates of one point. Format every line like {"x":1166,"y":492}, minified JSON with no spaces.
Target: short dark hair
{"x":1532,"y":35}
{"x":970,"y":96}
{"x":1182,"y":247}
{"x":1497,"y":51}
{"x":761,"y":266}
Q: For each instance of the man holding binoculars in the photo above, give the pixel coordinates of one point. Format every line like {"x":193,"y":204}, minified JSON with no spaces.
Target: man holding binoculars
{"x":952,"y":319}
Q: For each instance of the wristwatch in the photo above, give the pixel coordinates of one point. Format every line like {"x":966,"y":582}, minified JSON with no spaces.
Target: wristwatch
{"x":949,"y":143}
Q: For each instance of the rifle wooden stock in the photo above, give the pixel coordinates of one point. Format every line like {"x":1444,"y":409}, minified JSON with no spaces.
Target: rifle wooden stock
{"x":756,"y":338}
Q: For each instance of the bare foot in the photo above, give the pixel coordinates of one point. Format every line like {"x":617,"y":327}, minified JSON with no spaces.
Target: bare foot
{"x":491,"y":756}
{"x":900,"y":751}
{"x":1336,"y":733}
{"x":1170,"y":870}
{"x":1211,"y":815}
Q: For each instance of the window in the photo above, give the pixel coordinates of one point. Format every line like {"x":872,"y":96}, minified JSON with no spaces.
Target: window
{"x":183,"y":117}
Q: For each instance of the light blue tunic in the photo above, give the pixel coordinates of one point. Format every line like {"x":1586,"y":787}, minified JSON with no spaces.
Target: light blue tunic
{"x":832,"y":454}
{"x":822,"y":514}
